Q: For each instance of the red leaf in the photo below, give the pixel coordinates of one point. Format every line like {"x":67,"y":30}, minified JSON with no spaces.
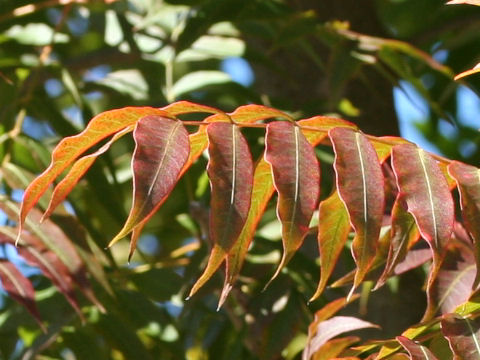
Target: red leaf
{"x":314,"y":129}
{"x":404,"y":234}
{"x":330,"y":328}
{"x":425,"y":190}
{"x":333,"y":229}
{"x":230,"y":170}
{"x":416,"y":351}
{"x":453,"y":284}
{"x":161,"y":151}
{"x":78,"y":169}
{"x":296,"y":177}
{"x":70,"y":148}
{"x":468,"y":182}
{"x":360,"y":185}
{"x":19,"y":288}
{"x":463,"y":335}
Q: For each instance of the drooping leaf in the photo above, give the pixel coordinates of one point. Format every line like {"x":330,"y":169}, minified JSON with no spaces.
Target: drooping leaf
{"x":230,"y":170}
{"x":70,"y":148}
{"x":333,"y":229}
{"x":333,"y":348}
{"x":360,"y":186}
{"x":161,"y":150}
{"x":463,"y":335}
{"x":416,"y":351}
{"x":36,"y":254}
{"x":404,"y":234}
{"x":413,"y":259}
{"x":315,"y":130}
{"x":79,"y":168}
{"x":330,"y":328}
{"x":453,"y":284}
{"x":425,"y":190}
{"x":468,"y":182}
{"x":296,"y":177}
{"x":19,"y":288}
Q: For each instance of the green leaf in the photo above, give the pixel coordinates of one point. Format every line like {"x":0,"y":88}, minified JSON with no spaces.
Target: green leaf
{"x":360,"y":185}
{"x":230,"y":170}
{"x":333,"y":229}
{"x":161,"y":151}
{"x":296,"y":177}
{"x":198,"y":79}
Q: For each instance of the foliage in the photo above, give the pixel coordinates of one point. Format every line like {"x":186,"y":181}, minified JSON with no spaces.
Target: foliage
{"x":386,"y":215}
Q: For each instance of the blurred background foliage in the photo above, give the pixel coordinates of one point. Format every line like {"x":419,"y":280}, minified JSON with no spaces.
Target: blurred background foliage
{"x":386,"y":65}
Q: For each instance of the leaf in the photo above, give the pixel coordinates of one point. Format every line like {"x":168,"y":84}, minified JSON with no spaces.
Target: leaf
{"x":360,"y":186}
{"x":467,"y":178}
{"x":79,"y":168}
{"x":230,"y":170}
{"x":315,"y":130}
{"x":199,"y":79}
{"x":453,"y":284}
{"x":463,"y":335}
{"x":161,"y":151}
{"x":469,"y":2}
{"x":19,"y":288}
{"x":333,"y":230}
{"x":476,"y":68}
{"x":404,"y":234}
{"x":425,"y":190}
{"x":330,"y":328}
{"x":37,"y":254}
{"x":68,"y":150}
{"x":334,"y":347}
{"x":416,"y":351}
{"x":296,"y":177}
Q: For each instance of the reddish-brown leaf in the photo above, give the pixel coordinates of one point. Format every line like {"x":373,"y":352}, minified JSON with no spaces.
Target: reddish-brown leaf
{"x":37,"y":254}
{"x":463,"y":335}
{"x":315,"y":130}
{"x":79,"y":168}
{"x":360,"y":185}
{"x":425,"y":190}
{"x":70,"y":148}
{"x":296,"y":177}
{"x":416,"y":351}
{"x":161,"y":151}
{"x":19,"y":288}
{"x":230,"y":169}
{"x":453,"y":284}
{"x":328,"y":329}
{"x":404,"y":234}
{"x":468,"y":182}
{"x":333,"y":229}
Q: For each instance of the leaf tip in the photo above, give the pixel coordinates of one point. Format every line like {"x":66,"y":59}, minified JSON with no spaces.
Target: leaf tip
{"x":227,"y":287}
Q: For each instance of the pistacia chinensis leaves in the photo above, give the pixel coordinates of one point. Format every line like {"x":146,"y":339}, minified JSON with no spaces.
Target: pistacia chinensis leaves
{"x":382,"y":211}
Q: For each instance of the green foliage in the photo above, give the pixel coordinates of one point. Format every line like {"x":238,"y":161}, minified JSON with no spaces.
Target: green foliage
{"x":382,"y":213}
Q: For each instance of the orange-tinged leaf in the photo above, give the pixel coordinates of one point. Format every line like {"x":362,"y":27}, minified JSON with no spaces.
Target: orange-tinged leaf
{"x":70,"y":148}
{"x":360,"y":185}
{"x":467,"y":178}
{"x":463,"y":335}
{"x":334,"y":347}
{"x":404,"y":234}
{"x":416,"y":351}
{"x":474,"y":70}
{"x":245,"y":113}
{"x":424,"y":188}
{"x":79,"y":168}
{"x":161,"y":151}
{"x":230,"y":169}
{"x":469,"y":2}
{"x":187,"y":107}
{"x":333,"y":229}
{"x":296,"y":177}
{"x":19,"y":288}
